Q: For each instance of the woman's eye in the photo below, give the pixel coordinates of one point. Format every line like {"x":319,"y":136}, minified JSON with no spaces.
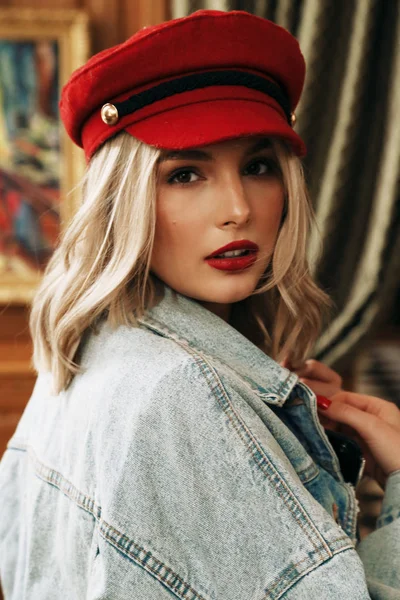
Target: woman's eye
{"x":184,"y":176}
{"x":262,"y":167}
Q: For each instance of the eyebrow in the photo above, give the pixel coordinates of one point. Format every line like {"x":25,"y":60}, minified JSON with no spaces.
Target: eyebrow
{"x":263,"y":144}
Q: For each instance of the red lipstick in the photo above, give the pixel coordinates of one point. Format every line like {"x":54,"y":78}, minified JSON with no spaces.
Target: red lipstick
{"x":234,"y":263}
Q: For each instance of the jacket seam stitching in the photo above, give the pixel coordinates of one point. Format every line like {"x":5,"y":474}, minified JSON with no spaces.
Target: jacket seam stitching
{"x":312,"y":568}
{"x":56,"y":479}
{"x":124,"y":543}
{"x":350,"y":520}
{"x":270,"y":595}
{"x":151,"y":322}
{"x":318,"y":550}
{"x":201,"y":362}
{"x":149,"y":562}
{"x":311,"y":471}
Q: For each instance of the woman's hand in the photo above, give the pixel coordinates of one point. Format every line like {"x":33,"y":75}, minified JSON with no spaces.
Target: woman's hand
{"x":375,"y":424}
{"x":319,"y":377}
{"x":372,"y":422}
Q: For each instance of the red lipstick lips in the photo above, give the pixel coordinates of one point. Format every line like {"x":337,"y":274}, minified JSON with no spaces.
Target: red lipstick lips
{"x":234,"y":263}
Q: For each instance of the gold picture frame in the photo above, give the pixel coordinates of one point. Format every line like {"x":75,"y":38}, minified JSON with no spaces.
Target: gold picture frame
{"x":39,"y":164}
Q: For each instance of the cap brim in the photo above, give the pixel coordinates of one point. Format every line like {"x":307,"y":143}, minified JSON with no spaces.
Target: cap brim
{"x":211,"y":121}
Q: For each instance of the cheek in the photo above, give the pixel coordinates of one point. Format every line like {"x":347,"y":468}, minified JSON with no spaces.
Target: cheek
{"x":268,"y":212}
{"x":175,"y":229}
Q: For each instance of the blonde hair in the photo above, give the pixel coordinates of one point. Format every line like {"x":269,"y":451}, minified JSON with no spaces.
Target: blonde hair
{"x":286,"y":311}
{"x":101,"y":268}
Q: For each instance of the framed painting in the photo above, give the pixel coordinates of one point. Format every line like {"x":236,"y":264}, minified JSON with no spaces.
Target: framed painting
{"x":39,"y":164}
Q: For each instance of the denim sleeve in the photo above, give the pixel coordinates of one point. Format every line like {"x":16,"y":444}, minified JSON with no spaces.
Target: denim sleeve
{"x":380,"y":550}
{"x":199,"y":502}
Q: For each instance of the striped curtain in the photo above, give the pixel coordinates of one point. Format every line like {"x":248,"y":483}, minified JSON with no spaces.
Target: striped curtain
{"x":349,"y":117}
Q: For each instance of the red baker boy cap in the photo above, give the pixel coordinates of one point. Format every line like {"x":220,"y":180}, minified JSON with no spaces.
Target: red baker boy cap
{"x":189,"y":82}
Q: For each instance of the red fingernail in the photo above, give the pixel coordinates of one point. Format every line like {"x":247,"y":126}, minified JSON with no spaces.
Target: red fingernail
{"x":323,"y":402}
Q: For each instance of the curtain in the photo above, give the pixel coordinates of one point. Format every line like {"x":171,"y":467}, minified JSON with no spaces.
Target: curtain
{"x":349,"y":117}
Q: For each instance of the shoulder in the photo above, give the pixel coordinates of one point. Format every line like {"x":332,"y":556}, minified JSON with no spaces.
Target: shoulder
{"x":184,"y":482}
{"x":135,"y":344}
{"x":130,"y":359}
{"x":135,"y":377}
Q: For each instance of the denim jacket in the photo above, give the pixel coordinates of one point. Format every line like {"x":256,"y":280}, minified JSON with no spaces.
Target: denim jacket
{"x":184,"y":463}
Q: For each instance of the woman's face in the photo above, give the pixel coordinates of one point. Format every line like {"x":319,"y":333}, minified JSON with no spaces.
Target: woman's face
{"x":208,"y":197}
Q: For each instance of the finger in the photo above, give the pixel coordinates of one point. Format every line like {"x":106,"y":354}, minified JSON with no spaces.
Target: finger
{"x":313,"y":369}
{"x":288,"y":364}
{"x":320,"y":388}
{"x":381,"y":438}
{"x":385,"y":410}
{"x":328,"y":423}
{"x":285,"y":363}
{"x":344,"y":412}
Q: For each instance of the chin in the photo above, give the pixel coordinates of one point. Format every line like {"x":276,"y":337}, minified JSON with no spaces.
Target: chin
{"x":231,"y":290}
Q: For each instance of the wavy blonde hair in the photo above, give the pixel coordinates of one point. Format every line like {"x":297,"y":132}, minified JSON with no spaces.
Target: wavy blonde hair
{"x":101,"y":268}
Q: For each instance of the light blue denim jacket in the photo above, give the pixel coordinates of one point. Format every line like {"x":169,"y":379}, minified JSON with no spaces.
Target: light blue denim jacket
{"x":184,"y":463}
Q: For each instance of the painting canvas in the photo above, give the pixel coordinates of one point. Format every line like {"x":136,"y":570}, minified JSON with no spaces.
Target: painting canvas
{"x":29,"y":155}
{"x":37,"y":163}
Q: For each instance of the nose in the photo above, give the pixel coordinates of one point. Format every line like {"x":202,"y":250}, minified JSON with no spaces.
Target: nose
{"x":233,"y":204}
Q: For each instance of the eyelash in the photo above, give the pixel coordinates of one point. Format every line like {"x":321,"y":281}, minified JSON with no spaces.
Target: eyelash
{"x":270,"y":163}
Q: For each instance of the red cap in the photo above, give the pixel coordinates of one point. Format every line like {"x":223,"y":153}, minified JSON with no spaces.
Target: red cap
{"x":189,"y":82}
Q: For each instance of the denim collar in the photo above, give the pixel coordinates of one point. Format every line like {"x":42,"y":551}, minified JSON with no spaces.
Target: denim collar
{"x":191,"y":325}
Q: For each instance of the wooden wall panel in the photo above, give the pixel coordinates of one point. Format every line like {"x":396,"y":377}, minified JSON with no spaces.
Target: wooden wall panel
{"x":42,"y":3}
{"x":111,"y":23}
{"x":106,"y":23}
{"x":143,"y":15}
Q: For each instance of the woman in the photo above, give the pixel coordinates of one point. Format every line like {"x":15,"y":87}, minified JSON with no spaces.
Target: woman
{"x":164,"y":453}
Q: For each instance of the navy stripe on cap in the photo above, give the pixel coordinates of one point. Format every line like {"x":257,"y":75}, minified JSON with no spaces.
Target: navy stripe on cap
{"x":204,"y":79}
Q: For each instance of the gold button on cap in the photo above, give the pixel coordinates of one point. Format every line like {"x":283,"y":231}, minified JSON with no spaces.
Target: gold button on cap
{"x":109,"y":114}
{"x":293,"y":119}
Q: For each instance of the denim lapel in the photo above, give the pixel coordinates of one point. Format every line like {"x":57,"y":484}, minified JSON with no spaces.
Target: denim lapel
{"x":190,"y":324}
